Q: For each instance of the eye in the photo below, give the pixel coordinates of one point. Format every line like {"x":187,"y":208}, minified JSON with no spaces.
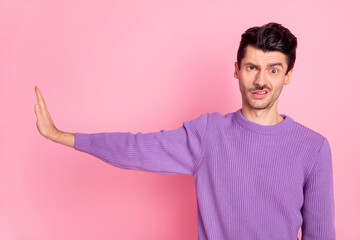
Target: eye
{"x":251,"y":68}
{"x":274,"y":71}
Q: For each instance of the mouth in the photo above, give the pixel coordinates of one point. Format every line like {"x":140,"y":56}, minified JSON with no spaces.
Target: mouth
{"x":259,"y":94}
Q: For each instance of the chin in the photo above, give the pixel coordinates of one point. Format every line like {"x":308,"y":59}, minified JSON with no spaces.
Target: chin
{"x":259,"y":106}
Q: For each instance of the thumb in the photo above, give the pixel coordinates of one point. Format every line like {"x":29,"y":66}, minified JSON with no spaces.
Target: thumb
{"x":37,"y":110}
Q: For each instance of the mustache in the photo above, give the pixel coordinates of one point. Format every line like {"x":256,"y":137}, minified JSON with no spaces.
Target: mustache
{"x":259,"y":88}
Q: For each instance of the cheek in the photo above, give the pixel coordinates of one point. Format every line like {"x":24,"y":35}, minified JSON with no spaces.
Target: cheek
{"x":242,"y":81}
{"x":278,"y":88}
{"x":241,"y":87}
{"x":246,"y":78}
{"x":244,"y":75}
{"x":276,"y":82}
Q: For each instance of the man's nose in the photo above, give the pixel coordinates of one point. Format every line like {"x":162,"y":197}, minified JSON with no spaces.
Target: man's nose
{"x":261,"y":78}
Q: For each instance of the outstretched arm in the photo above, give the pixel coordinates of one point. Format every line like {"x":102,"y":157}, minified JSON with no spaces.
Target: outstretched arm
{"x":46,"y":126}
{"x":176,"y":151}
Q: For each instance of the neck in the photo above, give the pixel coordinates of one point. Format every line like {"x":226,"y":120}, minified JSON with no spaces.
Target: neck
{"x":266,"y":117}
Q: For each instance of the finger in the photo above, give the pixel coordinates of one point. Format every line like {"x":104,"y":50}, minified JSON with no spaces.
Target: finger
{"x":40,"y":99}
{"x":38,"y":96}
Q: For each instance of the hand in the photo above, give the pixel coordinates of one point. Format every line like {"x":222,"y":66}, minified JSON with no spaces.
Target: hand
{"x":44,"y":123}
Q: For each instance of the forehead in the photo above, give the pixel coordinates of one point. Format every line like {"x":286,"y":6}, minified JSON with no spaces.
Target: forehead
{"x":259,"y":57}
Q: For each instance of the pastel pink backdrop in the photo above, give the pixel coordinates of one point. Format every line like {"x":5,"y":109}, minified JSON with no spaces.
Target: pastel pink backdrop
{"x":106,"y":66}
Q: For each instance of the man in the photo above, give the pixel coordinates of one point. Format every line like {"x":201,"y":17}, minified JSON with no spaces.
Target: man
{"x":258,"y":174}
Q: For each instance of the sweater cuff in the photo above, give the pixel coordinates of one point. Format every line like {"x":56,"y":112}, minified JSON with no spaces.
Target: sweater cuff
{"x":82,"y":142}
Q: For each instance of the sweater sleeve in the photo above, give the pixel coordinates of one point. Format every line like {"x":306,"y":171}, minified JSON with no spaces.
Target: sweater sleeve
{"x":318,"y":209}
{"x":166,"y":152}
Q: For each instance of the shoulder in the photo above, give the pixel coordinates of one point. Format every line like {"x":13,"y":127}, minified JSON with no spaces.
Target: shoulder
{"x":211,"y":118}
{"x":218,"y":119}
{"x":217,"y":116}
{"x":308,"y":135}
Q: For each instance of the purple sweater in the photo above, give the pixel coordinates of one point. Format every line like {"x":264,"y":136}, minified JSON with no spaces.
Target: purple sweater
{"x":252,"y":181}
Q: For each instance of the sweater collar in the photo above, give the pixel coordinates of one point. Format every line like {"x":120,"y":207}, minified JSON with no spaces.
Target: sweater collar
{"x":284,"y":125}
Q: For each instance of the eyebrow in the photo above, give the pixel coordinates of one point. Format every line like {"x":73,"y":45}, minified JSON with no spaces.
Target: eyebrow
{"x":269,"y":65}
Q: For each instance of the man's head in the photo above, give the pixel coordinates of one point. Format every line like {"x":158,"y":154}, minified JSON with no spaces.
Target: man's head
{"x":264,"y":65}
{"x":270,"y":37}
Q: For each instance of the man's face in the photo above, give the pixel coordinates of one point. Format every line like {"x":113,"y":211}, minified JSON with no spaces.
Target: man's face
{"x":261,"y":77}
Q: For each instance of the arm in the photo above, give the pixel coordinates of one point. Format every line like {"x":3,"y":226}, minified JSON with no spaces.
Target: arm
{"x":319,"y":210}
{"x":65,"y":138}
{"x":176,"y":151}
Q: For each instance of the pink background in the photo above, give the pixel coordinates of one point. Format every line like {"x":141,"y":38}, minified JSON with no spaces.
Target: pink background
{"x":106,"y":66}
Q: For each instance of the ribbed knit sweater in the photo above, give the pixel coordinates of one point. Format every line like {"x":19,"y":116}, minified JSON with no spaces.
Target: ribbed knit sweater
{"x":252,"y":181}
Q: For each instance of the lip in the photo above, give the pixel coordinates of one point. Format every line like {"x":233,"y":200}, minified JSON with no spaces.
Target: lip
{"x":259,"y":96}
{"x":257,"y":91}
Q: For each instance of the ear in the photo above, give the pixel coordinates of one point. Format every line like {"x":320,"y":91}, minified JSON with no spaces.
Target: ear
{"x":236,"y":72}
{"x":288,"y":77}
